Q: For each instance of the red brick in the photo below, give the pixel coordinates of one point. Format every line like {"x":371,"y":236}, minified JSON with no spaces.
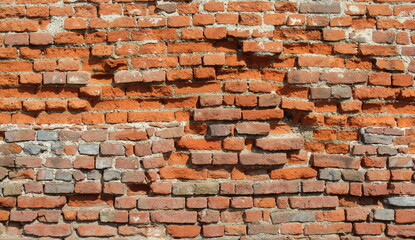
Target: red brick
{"x":178,"y":231}
{"x":401,"y":230}
{"x":274,"y":47}
{"x":96,"y":231}
{"x":174,"y":217}
{"x":293,"y":173}
{"x":334,"y":228}
{"x":368,"y":228}
{"x":88,"y":187}
{"x":43,"y":230}
{"x":339,"y":161}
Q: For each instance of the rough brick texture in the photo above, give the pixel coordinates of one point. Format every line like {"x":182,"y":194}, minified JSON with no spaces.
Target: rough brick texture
{"x":218,"y":119}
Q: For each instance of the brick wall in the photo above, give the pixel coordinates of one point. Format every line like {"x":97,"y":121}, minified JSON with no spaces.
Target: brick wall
{"x":219,"y":119}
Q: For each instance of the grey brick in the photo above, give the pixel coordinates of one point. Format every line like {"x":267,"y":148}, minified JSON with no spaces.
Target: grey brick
{"x":43,"y":175}
{"x":303,"y":216}
{"x":110,"y":175}
{"x":57,"y":148}
{"x":195,"y":188}
{"x":376,"y":139}
{"x":103,"y":162}
{"x":33,"y":149}
{"x":329,"y":174}
{"x":94,"y":175}
{"x":3,"y":173}
{"x":401,"y":201}
{"x":12,"y":189}
{"x":353,"y":175}
{"x":64,"y":176}
{"x":206,"y":188}
{"x":385,"y":150}
{"x":398,"y":162}
{"x":88,"y":149}
{"x":47,"y":135}
{"x":341,"y":92}
{"x":220,"y":130}
{"x":59,"y":188}
{"x":384,"y":214}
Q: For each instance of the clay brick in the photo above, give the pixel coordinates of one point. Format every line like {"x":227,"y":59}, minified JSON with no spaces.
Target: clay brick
{"x":217,"y":114}
{"x":20,"y":135}
{"x":280,"y":144}
{"x":338,"y":161}
{"x":274,"y":47}
{"x":178,"y":231}
{"x":319,"y":8}
{"x":43,"y":230}
{"x":262,"y":159}
{"x":96,"y":231}
{"x":174,"y":217}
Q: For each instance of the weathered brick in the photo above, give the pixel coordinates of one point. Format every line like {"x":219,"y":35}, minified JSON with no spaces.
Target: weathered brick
{"x":44,"y":230}
{"x":170,"y":132}
{"x":220,"y":130}
{"x":217,"y":114}
{"x":54,"y":78}
{"x":262,"y":159}
{"x":96,"y":231}
{"x":174,"y":217}
{"x":59,"y":188}
{"x":23,"y":216}
{"x":162,"y":146}
{"x":337,"y":161}
{"x":347,"y":77}
{"x":302,"y":77}
{"x":293,"y":216}
{"x":276,"y":188}
{"x":319,"y":8}
{"x":20,"y":135}
{"x":195,"y":188}
{"x":108,"y":149}
{"x":160,"y":203}
{"x":280,"y":144}
{"x":314,"y":202}
{"x":253,"y":129}
{"x":333,"y":228}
